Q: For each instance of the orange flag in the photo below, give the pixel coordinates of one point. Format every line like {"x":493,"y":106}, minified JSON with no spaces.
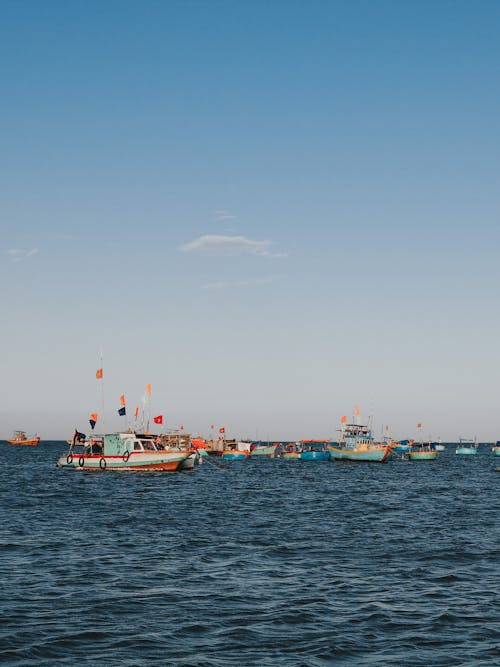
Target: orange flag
{"x":148,"y":389}
{"x":343,"y":419}
{"x":122,"y":399}
{"x":94,"y":416}
{"x":98,"y":374}
{"x":356,"y":411}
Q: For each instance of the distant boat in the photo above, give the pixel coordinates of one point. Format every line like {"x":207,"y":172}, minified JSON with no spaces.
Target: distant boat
{"x":263,"y":450}
{"x":402,"y":446}
{"x":292,"y":450}
{"x":314,"y":450}
{"x":467,"y":446}
{"x":235,"y":451}
{"x":438,"y":446}
{"x":496,"y":448}
{"x":357,"y":444}
{"x":123,"y":451}
{"x":20,"y":438}
{"x":422,"y":452}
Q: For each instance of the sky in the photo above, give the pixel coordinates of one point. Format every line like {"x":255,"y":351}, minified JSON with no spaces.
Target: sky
{"x":272,"y":212}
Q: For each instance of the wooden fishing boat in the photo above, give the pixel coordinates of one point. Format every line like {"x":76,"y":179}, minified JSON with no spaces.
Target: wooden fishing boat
{"x":422,"y":452}
{"x":235,"y":451}
{"x":314,"y":450}
{"x":123,"y":451}
{"x":467,"y":447}
{"x":20,"y":438}
{"x":260,"y":449}
{"x":291,"y":451}
{"x":357,"y":444}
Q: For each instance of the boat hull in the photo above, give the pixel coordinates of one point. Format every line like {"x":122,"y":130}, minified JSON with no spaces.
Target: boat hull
{"x":466,"y":451}
{"x":315,"y":456}
{"x":161,"y":461}
{"x":290,"y":455}
{"x":496,"y":451}
{"x":422,"y":456}
{"x":372,"y":455}
{"x":234,"y":456}
{"x":264,"y":451}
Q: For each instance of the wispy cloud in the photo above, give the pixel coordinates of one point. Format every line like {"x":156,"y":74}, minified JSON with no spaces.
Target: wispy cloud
{"x":223,"y":216}
{"x":260,"y":280}
{"x":218,"y":244}
{"x":18,"y":254}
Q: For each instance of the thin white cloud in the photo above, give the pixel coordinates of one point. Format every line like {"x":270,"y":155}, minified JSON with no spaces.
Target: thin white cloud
{"x":218,"y":244}
{"x":18,"y":254}
{"x":222,"y":216}
{"x":218,"y":285}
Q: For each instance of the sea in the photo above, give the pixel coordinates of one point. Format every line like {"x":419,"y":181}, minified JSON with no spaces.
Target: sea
{"x":263,"y":562}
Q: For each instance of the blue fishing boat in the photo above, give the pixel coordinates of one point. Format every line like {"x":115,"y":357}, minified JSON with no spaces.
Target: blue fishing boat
{"x":314,"y":450}
{"x":235,"y":451}
{"x":402,"y":446}
{"x":358,"y":444}
{"x":467,"y":447}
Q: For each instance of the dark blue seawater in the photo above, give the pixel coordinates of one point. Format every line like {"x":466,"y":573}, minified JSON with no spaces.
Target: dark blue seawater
{"x":264,"y":562}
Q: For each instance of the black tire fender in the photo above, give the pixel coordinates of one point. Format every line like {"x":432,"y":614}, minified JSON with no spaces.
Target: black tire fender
{"x":126,"y":456}
{"x":81,"y":461}
{"x":102,"y":463}
{"x":69,"y":459}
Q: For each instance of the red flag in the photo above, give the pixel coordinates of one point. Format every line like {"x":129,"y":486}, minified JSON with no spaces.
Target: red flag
{"x":344,"y":419}
{"x":212,"y":426}
{"x":222,"y":430}
{"x":419,"y":425}
{"x":98,"y":374}
{"x":94,"y":416}
{"x":122,"y":399}
{"x":158,"y":420}
{"x":136,"y":411}
{"x":182,"y":428}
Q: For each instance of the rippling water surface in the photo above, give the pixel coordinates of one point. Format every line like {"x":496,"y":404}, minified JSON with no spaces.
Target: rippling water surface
{"x":262,"y":562}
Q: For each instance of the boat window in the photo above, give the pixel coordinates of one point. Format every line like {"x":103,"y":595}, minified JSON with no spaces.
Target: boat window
{"x":137,"y":446}
{"x":147,"y":444}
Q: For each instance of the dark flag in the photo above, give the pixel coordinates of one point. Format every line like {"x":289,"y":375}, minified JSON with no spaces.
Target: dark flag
{"x":78,"y":437}
{"x":122,"y":412}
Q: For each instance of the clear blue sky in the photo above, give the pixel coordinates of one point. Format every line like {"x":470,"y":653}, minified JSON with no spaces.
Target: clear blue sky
{"x":270,"y":211}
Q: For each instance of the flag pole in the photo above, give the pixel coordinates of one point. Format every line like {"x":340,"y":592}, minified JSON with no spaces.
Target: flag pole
{"x":102,"y":394}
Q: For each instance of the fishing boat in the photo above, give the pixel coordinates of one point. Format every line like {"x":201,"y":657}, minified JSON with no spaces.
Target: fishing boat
{"x":358,"y":444}
{"x":467,"y":446}
{"x":422,"y":451}
{"x":259,"y":449}
{"x":123,"y":451}
{"x":20,"y":438}
{"x":314,"y":450}
{"x":235,"y":451}
{"x":496,"y":448}
{"x":291,"y":450}
{"x":438,"y":446}
{"x":402,"y":446}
